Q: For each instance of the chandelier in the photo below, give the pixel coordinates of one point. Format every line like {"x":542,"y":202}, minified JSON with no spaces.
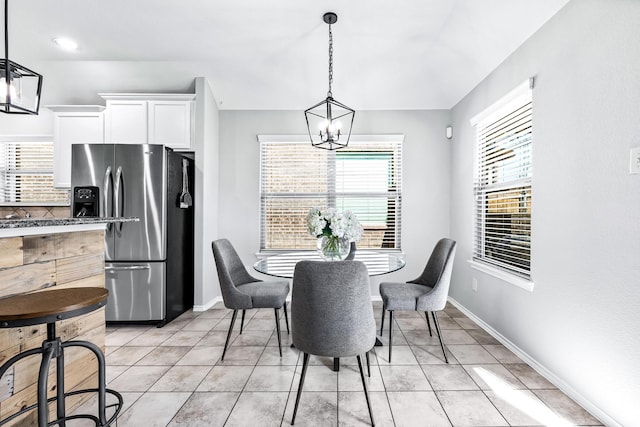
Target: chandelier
{"x":19,"y":86}
{"x":329,"y":122}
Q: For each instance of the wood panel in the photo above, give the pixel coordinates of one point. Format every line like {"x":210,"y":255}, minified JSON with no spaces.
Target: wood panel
{"x":79,"y":267}
{"x":34,"y":263}
{"x":95,"y":281}
{"x":39,"y":248}
{"x":12,"y":247}
{"x":27,"y":278}
{"x":76,"y":244}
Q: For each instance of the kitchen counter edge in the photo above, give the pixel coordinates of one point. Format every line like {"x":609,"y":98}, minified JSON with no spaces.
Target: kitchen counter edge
{"x":30,"y":226}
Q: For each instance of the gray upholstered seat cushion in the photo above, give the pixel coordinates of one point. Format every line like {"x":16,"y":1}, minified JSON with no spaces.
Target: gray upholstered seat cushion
{"x":270,"y":294}
{"x":401,"y":296}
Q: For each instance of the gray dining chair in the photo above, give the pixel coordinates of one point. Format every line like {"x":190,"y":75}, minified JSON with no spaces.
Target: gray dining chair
{"x":427,"y":293}
{"x":332,"y":314}
{"x":241,"y":291}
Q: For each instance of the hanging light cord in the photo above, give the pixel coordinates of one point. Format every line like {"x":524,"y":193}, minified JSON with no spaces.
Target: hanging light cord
{"x":6,"y":32}
{"x":329,"y":94}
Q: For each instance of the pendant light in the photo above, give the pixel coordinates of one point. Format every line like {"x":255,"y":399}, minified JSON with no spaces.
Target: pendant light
{"x":19,"y":86}
{"x":329,"y":122}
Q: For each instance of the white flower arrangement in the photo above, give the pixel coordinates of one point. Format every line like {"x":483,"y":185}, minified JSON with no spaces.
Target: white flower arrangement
{"x":333,"y":224}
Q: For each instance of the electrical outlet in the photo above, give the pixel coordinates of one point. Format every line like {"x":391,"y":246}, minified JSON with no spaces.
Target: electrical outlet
{"x":474,"y":285}
{"x":634,"y":161}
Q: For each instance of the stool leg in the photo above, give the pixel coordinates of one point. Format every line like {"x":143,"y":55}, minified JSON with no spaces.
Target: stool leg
{"x":60,"y":401}
{"x":102,"y":381}
{"x":43,"y":407}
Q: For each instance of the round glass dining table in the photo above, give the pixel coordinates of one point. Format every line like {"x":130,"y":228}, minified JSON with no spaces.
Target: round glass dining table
{"x":282,"y":265}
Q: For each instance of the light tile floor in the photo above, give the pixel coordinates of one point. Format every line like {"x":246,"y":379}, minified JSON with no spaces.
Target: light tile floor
{"x":172,"y":376}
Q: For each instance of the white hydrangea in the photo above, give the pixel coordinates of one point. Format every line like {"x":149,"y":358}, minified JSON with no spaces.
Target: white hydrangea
{"x":316,"y":222}
{"x":352,"y":226}
{"x":331,"y":223}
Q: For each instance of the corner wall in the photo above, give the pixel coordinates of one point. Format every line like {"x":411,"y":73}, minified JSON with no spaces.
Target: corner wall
{"x":581,"y":321}
{"x":207,"y":143}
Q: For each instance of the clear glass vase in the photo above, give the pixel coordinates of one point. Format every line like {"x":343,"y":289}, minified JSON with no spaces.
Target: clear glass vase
{"x":333,"y":248}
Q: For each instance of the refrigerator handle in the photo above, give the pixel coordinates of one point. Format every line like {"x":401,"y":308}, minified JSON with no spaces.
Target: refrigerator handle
{"x":107,"y":185}
{"x":129,"y":268}
{"x":119,"y":205}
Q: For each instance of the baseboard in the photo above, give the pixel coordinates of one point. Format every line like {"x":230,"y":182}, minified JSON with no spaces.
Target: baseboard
{"x":550,"y":376}
{"x":208,"y":305}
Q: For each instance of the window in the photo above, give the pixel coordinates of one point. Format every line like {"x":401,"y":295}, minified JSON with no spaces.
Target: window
{"x":364,"y":177}
{"x":502,"y":187}
{"x":26,"y":172}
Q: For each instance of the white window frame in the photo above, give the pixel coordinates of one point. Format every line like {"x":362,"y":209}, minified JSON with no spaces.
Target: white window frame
{"x":304,"y":139}
{"x":23,"y":139}
{"x":497,"y":265}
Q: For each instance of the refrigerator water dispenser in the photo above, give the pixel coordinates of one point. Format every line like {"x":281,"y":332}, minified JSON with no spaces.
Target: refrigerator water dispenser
{"x":86,"y":201}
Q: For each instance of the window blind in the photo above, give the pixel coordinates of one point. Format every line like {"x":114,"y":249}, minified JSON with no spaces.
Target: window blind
{"x":502,"y":187}
{"x":364,"y":177}
{"x":26,"y":173}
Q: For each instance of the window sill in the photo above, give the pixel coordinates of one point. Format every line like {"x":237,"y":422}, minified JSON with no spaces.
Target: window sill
{"x":525,"y":284}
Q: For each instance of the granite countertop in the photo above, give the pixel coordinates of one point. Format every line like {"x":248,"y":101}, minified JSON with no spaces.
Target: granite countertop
{"x":53,"y":222}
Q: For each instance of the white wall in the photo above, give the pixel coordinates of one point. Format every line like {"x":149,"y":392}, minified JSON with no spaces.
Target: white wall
{"x":27,"y":124}
{"x":425,"y":198}
{"x":581,"y":321}
{"x":206,"y":287}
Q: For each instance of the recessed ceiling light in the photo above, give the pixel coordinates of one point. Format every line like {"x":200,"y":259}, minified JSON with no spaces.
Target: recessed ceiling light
{"x":65,"y":43}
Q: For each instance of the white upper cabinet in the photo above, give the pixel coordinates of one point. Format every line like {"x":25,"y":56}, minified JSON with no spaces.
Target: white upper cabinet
{"x":149,"y":118}
{"x":126,"y":122}
{"x":73,"y":124}
{"x":169,"y":123}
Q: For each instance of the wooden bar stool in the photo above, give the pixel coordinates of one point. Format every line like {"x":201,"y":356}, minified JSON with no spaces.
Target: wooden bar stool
{"x":48,"y":307}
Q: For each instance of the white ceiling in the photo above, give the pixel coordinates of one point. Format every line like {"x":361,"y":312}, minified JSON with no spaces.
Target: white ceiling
{"x":257,"y":54}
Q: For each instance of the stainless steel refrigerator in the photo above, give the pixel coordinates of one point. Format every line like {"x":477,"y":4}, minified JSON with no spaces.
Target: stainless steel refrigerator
{"x":149,"y":263}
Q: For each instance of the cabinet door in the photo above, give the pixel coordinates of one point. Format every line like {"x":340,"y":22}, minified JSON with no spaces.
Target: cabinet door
{"x":126,"y":122}
{"x":170,"y":124}
{"x":73,"y":128}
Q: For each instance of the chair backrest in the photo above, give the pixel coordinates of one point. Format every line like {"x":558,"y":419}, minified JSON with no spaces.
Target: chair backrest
{"x":331,"y":308}
{"x":437,"y":275}
{"x":231,"y":273}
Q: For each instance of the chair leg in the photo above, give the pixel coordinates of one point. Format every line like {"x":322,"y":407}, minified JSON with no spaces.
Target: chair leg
{"x":278,"y":330}
{"x":242,"y":321}
{"x":368,"y":364}
{"x":426,"y":313}
{"x":286,"y":317}
{"x":366,"y":392}
{"x":382,"y":322}
{"x":435,"y":321}
{"x":305,"y":363}
{"x":390,"y":331}
{"x":226,"y":343}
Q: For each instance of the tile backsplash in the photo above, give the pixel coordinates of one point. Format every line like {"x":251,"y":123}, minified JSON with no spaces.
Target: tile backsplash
{"x":35,"y":211}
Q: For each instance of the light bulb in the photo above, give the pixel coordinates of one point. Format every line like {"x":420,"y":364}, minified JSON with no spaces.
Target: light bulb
{"x":3,"y":91}
{"x":338,"y":124}
{"x":322,"y":126}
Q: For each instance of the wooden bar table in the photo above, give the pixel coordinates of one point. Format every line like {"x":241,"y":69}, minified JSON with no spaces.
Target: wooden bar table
{"x":41,"y":254}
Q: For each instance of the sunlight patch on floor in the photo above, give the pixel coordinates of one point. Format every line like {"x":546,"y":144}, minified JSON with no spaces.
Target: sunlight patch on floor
{"x":521,"y":400}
